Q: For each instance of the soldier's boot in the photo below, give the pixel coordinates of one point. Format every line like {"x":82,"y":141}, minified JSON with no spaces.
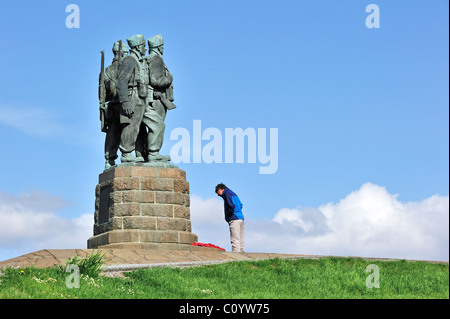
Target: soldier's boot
{"x":128,"y":158}
{"x":110,"y":160}
{"x":139,"y":157}
{"x":109,"y":163}
{"x":156,"y":157}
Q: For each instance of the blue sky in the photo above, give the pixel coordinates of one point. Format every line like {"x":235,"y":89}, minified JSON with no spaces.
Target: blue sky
{"x":352,"y":105}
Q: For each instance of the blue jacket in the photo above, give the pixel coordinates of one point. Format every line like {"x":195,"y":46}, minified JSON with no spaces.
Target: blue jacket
{"x":232,"y":205}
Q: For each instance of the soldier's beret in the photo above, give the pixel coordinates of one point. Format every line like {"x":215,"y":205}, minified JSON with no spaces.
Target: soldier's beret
{"x":136,"y":40}
{"x":155,"y":41}
{"x":116,"y":47}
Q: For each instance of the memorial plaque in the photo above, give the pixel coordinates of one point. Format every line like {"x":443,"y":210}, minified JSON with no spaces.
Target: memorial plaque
{"x":103,"y":212}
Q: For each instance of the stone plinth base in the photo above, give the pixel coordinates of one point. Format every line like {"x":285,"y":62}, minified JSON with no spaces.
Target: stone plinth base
{"x":142,"y":205}
{"x":153,"y":246}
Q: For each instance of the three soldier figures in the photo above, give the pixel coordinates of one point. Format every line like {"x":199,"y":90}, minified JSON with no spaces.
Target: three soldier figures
{"x":138,"y":91}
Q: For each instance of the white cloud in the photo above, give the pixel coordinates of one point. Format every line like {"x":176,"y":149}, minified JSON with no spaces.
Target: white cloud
{"x":34,"y":121}
{"x":48,"y":124}
{"x":368,"y":222}
{"x":30,"y":222}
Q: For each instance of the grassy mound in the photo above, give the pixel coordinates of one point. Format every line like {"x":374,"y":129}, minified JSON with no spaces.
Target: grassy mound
{"x":267,"y":279}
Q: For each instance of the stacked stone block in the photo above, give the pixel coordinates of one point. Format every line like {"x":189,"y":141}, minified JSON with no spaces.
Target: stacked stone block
{"x":140,"y":204}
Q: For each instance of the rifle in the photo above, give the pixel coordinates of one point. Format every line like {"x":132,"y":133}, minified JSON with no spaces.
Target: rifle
{"x":120,"y":51}
{"x":102,"y":94}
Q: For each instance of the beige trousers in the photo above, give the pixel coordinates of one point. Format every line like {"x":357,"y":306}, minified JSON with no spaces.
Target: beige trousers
{"x":237,"y":235}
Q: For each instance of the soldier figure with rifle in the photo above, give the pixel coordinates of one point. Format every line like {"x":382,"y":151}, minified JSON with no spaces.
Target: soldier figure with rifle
{"x":110,"y":112}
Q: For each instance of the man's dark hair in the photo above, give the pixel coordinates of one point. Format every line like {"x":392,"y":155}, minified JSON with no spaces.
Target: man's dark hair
{"x":220,"y":186}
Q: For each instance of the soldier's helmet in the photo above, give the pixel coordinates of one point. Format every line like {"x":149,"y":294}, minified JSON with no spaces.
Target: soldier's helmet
{"x":155,"y":41}
{"x":136,"y":40}
{"x":116,"y":47}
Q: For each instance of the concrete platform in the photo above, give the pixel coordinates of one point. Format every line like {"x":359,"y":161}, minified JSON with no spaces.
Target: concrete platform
{"x":119,"y":259}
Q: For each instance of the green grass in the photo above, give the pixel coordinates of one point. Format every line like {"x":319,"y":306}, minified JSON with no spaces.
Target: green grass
{"x":275,"y":278}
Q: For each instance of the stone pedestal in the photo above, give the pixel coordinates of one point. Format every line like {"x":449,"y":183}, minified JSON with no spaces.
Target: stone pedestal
{"x":142,"y":207}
